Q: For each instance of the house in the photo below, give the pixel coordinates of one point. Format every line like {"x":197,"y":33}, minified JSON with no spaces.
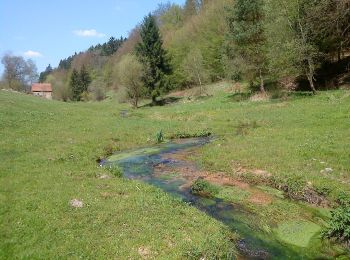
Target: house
{"x":42,"y":90}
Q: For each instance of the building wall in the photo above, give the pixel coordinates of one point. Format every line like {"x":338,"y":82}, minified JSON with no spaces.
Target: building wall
{"x":47,"y":95}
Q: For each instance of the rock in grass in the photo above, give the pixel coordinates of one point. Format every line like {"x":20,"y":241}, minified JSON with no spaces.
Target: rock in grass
{"x":327,"y":170}
{"x":76,"y":203}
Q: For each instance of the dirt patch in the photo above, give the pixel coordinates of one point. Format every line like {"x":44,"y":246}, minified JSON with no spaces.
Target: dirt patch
{"x":188,"y":171}
{"x":144,"y":252}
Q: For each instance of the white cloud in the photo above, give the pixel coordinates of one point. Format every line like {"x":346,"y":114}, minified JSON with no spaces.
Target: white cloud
{"x":32,"y":54}
{"x":88,"y":33}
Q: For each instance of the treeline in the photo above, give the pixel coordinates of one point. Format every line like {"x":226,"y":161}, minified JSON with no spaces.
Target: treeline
{"x":282,"y":43}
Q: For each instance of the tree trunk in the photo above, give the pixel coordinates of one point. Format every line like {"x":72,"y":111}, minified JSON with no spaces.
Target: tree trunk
{"x":311,"y":82}
{"x":262,"y":84}
{"x":310,"y":75}
{"x":200,"y":83}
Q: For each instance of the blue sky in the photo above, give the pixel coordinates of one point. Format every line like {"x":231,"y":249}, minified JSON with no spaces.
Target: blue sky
{"x":47,"y":31}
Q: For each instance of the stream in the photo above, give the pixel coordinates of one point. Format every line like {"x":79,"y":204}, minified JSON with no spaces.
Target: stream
{"x":151,"y":165}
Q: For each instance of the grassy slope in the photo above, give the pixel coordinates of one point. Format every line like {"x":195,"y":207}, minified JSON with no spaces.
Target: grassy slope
{"x":48,"y":151}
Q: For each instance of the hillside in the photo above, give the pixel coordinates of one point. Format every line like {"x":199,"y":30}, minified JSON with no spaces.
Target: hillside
{"x":49,"y":152}
{"x":201,"y":47}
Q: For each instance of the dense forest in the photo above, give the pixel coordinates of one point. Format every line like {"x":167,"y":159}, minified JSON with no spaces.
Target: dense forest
{"x":265,"y":44}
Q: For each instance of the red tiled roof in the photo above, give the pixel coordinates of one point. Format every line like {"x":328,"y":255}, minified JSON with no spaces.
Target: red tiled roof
{"x":41,"y":87}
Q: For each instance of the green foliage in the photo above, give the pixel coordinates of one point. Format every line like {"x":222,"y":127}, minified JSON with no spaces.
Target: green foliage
{"x":339,"y":224}
{"x":159,"y":137}
{"x":153,"y":57}
{"x":203,"y":188}
{"x":246,"y":30}
{"x":44,"y":74}
{"x":79,"y":83}
{"x":115,"y":171}
{"x":75,"y":85}
{"x":130,"y":74}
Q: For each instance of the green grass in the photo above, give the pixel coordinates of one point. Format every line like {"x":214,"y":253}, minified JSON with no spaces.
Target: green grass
{"x":49,"y":151}
{"x":48,"y":157}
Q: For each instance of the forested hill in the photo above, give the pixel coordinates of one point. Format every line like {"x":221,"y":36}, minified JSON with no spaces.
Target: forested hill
{"x":281,"y":43}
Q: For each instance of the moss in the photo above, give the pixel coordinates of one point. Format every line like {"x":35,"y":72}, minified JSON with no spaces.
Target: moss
{"x":298,"y":233}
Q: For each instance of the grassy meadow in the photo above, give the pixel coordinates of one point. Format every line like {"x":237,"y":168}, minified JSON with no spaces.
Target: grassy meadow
{"x":49,"y":151}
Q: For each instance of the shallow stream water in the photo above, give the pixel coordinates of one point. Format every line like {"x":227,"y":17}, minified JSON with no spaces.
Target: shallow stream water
{"x":141,"y":164}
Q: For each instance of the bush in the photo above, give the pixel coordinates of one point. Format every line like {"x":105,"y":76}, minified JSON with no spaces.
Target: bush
{"x":203,"y":188}
{"x":115,"y":171}
{"x":339,"y":225}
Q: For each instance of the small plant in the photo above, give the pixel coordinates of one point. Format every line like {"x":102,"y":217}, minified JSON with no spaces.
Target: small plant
{"x":203,"y":188}
{"x":339,"y":224}
{"x":115,"y":171}
{"x":160,"y":137}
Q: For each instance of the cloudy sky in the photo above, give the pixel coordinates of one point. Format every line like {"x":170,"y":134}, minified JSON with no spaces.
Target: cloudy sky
{"x":47,"y":31}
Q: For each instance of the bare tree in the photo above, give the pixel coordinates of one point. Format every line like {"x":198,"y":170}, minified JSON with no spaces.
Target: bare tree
{"x":193,"y":66}
{"x":14,"y":73}
{"x":130,"y":73}
{"x":18,"y":73}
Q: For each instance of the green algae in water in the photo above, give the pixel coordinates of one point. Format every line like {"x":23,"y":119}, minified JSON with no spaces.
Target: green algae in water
{"x":206,"y":202}
{"x":232,"y":194}
{"x":168,"y":176}
{"x":139,"y":152}
{"x":298,"y":233}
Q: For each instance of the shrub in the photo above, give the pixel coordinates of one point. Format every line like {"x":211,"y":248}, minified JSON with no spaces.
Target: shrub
{"x":203,"y":188}
{"x":115,"y":171}
{"x":339,"y":225}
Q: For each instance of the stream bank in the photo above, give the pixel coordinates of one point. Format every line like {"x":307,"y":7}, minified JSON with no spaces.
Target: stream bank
{"x":269,"y":225}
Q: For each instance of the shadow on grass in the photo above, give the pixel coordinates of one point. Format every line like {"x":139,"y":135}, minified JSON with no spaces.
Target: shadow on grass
{"x":163,"y":102}
{"x":239,"y":97}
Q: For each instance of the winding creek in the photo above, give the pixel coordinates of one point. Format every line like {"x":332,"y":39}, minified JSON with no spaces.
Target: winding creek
{"x":165,"y":166}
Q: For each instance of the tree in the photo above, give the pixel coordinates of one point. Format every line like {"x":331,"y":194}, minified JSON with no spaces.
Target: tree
{"x":75,"y":84}
{"x":45,"y":73}
{"x":190,"y":8}
{"x":31,"y":72}
{"x":85,"y":79}
{"x":130,"y":74}
{"x":305,"y":52}
{"x":246,"y":30}
{"x":79,"y":82}
{"x":151,"y":54}
{"x":194,"y":67}
{"x":330,"y":28}
{"x":18,"y":73}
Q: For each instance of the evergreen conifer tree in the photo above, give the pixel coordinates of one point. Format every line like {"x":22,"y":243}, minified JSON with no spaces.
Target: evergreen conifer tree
{"x":75,"y":85}
{"x":151,"y":54}
{"x":249,"y":42}
{"x":85,"y":79}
